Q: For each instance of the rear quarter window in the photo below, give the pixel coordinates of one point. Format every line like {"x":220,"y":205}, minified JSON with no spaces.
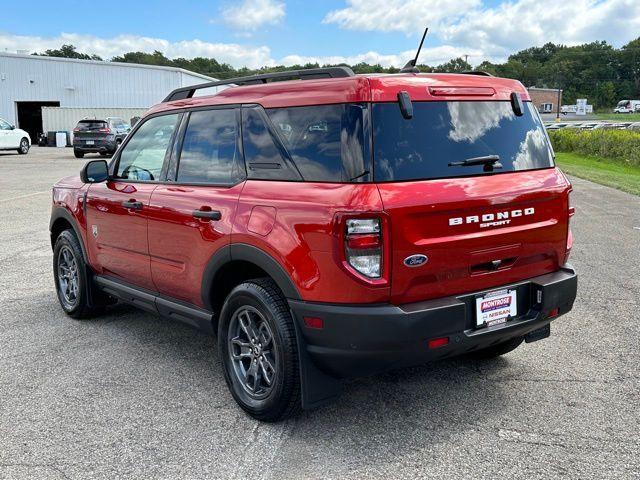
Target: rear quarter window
{"x":327,"y":143}
{"x":443,"y":132}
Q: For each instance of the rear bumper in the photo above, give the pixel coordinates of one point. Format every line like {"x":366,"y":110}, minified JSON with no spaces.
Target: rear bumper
{"x":361,"y":340}
{"x":98,"y":146}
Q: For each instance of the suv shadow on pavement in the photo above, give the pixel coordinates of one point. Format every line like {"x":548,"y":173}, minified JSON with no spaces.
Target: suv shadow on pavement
{"x":381,"y":417}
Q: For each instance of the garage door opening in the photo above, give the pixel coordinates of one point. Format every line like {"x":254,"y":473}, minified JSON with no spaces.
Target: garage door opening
{"x":30,"y":117}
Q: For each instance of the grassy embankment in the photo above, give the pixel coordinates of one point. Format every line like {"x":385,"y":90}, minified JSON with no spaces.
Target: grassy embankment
{"x":618,"y":117}
{"x":601,"y":170}
{"x":608,"y":157}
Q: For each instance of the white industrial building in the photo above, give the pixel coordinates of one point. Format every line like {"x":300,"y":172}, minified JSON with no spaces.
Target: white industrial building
{"x":29,"y":82}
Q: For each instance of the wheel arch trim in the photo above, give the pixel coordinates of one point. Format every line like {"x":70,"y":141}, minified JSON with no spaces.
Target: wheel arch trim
{"x":251,"y":254}
{"x":62,"y":213}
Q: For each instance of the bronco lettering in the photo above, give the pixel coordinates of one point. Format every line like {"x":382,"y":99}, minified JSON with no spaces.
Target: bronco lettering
{"x":489,"y":219}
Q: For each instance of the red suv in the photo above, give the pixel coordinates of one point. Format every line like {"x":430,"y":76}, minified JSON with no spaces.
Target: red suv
{"x":327,"y":225}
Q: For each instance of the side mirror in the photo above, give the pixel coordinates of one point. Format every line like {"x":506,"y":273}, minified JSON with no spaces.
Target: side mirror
{"x":13,"y":127}
{"x":95,"y":171}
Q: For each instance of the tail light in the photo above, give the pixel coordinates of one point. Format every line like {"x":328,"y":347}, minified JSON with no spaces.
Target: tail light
{"x":363,"y":246}
{"x":571,"y":211}
{"x":104,"y":130}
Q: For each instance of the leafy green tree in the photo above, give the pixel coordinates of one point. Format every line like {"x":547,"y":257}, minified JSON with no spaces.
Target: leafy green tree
{"x":455,"y":65}
{"x":68,"y":51}
{"x":606,"y":94}
{"x":630,"y":65}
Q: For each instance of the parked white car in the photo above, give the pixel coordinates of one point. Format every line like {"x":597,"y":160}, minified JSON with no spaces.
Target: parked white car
{"x":12,"y":138}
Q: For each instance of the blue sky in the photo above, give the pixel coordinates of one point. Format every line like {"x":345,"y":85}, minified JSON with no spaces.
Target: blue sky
{"x":259,"y":32}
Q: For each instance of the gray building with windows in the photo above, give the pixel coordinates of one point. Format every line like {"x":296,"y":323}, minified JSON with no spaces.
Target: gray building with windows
{"x":29,"y":82}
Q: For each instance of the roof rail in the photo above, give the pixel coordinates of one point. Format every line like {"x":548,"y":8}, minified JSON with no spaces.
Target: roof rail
{"x":305,"y":74}
{"x":477,"y":72}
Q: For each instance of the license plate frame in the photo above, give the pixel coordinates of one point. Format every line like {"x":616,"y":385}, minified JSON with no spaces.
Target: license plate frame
{"x":496,"y":307}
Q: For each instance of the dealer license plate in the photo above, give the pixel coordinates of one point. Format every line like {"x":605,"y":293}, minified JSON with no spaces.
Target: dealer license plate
{"x":89,"y":142}
{"x":497,"y":307}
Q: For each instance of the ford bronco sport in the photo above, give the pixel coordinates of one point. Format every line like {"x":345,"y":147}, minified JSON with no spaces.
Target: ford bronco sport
{"x":327,"y":225}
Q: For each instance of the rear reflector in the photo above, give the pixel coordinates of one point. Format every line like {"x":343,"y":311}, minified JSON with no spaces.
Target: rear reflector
{"x":438,"y":342}
{"x":314,"y":322}
{"x":553,"y":313}
{"x":363,"y":241}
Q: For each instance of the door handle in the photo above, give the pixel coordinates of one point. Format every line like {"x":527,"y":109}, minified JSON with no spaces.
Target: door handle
{"x":207,"y":214}
{"x":132,"y":204}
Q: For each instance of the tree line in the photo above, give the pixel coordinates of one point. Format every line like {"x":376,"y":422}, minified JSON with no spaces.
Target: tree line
{"x":597,"y":71}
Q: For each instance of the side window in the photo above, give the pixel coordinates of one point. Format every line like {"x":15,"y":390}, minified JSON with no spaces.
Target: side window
{"x":210,"y":148}
{"x":264,"y":157}
{"x":4,"y":125}
{"x":143,"y":155}
{"x":326,"y":142}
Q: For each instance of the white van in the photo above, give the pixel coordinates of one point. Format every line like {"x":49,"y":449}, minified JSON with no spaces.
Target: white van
{"x":627,"y":106}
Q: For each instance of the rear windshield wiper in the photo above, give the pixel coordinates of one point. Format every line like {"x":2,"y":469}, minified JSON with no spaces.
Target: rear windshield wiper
{"x":366,"y":172}
{"x":490,"y":162}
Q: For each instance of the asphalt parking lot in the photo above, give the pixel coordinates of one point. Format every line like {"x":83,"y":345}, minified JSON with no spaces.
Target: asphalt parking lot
{"x":130,"y":395}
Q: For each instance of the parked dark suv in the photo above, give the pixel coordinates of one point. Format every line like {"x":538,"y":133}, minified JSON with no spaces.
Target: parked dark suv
{"x":99,"y":136}
{"x":327,"y":225}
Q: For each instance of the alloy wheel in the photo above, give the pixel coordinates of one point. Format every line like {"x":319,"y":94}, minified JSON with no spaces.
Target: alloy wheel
{"x":68,"y":279}
{"x":24,"y":146}
{"x":252,"y":352}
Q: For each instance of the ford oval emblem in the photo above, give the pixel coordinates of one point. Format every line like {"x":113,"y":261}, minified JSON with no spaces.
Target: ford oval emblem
{"x":415,"y":260}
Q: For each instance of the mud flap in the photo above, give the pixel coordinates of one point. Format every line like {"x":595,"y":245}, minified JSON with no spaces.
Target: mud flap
{"x":317,"y":388}
{"x":539,"y":334}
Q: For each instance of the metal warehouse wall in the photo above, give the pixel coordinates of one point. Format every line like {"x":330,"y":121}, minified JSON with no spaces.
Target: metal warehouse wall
{"x":85,"y":83}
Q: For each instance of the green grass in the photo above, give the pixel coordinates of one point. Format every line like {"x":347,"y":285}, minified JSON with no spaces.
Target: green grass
{"x":601,"y":170}
{"x":619,"y":117}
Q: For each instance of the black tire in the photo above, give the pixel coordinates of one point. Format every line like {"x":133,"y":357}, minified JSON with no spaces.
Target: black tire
{"x":68,"y":246}
{"x":78,"y":154}
{"x":496,"y":350}
{"x":262,"y":299}
{"x":23,"y":149}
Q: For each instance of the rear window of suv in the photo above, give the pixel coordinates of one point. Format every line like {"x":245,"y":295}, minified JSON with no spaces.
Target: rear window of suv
{"x":444,"y":132}
{"x":91,"y":125}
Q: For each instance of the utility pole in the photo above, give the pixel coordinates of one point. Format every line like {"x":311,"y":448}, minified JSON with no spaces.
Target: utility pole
{"x":559,"y":87}
{"x":466,"y":58}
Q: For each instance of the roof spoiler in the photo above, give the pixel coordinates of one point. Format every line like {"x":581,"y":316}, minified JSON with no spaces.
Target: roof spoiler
{"x":477,"y":72}
{"x":305,"y":74}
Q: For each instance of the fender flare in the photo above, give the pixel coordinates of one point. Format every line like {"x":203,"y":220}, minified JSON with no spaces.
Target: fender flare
{"x":61,"y":212}
{"x":317,"y":387}
{"x":248,"y":253}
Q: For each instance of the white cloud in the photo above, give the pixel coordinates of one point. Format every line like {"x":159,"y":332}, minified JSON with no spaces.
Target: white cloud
{"x":249,"y":15}
{"x":234,"y":54}
{"x":499,"y":31}
{"x":510,"y":27}
{"x":406,"y":16}
{"x":429,"y":56}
